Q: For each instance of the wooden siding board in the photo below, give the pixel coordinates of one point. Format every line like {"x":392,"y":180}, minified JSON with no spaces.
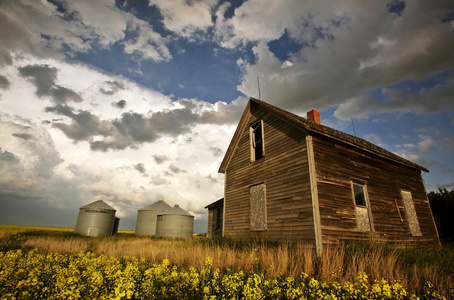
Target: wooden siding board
{"x":337,"y":165}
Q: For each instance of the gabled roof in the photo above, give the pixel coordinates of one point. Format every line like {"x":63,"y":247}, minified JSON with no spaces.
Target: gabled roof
{"x":310,"y":128}
{"x":99,"y":204}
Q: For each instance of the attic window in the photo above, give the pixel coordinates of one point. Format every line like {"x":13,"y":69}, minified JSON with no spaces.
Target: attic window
{"x":257,"y":147}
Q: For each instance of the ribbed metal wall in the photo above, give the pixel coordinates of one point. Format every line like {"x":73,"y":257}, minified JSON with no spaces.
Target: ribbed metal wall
{"x":147,"y":216}
{"x":175,"y":223}
{"x":95,"y":219}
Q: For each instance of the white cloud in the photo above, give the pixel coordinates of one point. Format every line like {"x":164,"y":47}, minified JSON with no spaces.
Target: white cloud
{"x":357,"y":49}
{"x":59,"y":165}
{"x":84,"y":26}
{"x":186,"y":17}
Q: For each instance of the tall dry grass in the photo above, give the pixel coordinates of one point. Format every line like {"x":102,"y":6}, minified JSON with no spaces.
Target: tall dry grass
{"x":341,"y":263}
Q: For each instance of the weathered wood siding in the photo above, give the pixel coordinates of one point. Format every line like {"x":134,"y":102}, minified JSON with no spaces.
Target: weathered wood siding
{"x":284,"y":170}
{"x":212,"y":219}
{"x":210,"y":224}
{"x":337,"y":165}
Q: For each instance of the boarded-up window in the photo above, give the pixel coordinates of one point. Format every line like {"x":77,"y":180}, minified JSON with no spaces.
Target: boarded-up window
{"x":361,"y":208}
{"x":410,"y":212}
{"x":258,"y":207}
{"x":257,"y":146}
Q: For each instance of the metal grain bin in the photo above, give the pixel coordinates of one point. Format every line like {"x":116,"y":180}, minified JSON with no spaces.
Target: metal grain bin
{"x":146,"y":217}
{"x":175,"y":223}
{"x":96,"y":219}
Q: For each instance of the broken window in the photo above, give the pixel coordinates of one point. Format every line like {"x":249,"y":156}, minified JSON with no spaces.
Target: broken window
{"x":410,"y":212}
{"x":258,"y":207}
{"x":257,"y":149}
{"x":361,"y":208}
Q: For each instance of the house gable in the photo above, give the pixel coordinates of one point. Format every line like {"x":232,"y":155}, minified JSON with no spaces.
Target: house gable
{"x":279,"y":180}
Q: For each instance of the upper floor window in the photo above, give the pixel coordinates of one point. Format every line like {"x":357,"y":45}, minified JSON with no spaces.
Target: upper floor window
{"x":257,"y":146}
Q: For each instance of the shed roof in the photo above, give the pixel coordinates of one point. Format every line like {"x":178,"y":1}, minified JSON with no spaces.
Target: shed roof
{"x":99,"y":204}
{"x":216,"y":203}
{"x":158,"y":205}
{"x":312,"y":128}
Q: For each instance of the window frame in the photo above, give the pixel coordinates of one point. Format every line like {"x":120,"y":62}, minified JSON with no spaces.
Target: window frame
{"x":359,"y":207}
{"x":253,"y":144}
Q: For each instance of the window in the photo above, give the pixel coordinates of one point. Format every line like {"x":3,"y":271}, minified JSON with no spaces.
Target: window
{"x":257,"y":147}
{"x":363,"y":218}
{"x":258,"y":207}
{"x":410,"y":212}
{"x":360,"y":198}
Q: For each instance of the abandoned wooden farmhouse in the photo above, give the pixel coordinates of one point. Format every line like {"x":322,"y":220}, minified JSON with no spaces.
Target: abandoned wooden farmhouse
{"x":288,"y":177}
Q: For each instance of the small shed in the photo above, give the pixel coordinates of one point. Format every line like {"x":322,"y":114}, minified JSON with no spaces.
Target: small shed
{"x":96,"y":219}
{"x":215,"y":220}
{"x":147,"y":216}
{"x":175,"y":223}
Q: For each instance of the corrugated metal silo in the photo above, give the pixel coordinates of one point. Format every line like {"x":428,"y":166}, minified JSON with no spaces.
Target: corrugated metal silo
{"x":95,"y":219}
{"x":146,"y":217}
{"x":175,"y":223}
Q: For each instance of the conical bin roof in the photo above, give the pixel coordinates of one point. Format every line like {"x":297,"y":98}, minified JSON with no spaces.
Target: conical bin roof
{"x":177,"y":210}
{"x":159,"y":206}
{"x":99,"y":204}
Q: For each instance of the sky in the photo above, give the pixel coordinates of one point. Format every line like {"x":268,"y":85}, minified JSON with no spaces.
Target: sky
{"x":136,"y":101}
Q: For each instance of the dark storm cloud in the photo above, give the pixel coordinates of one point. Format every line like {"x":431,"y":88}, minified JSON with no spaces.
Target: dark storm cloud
{"x":4,"y":82}
{"x":216,"y":151}
{"x":8,"y":158}
{"x":61,"y":110}
{"x":160,"y":158}
{"x":62,"y":94}
{"x":211,"y":179}
{"x":84,"y":125}
{"x":111,"y":87}
{"x":119,"y":104}
{"x":24,"y":136}
{"x":396,"y":7}
{"x":175,"y":169}
{"x":136,"y":126}
{"x":140,"y":167}
{"x":44,"y":77}
{"x":133,"y":129}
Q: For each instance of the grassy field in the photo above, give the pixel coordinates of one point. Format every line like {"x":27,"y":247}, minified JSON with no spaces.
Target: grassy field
{"x":412,"y":268}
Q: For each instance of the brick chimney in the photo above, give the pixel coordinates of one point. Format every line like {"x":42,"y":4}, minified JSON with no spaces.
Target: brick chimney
{"x":313,"y":115}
